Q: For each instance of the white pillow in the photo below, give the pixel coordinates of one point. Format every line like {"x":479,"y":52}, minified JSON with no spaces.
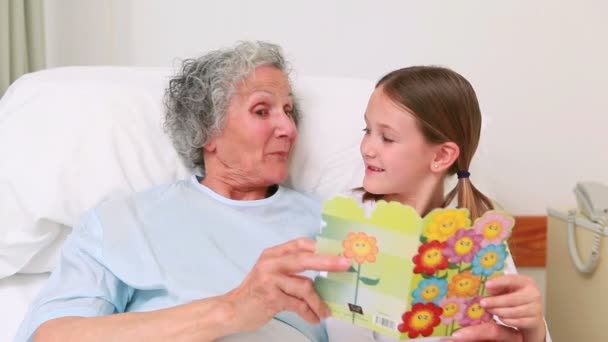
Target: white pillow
{"x":326,"y":159}
{"x":68,"y":138}
{"x":71,"y":136}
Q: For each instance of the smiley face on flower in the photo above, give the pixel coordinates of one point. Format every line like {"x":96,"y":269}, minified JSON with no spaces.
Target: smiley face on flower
{"x":494,"y":226}
{"x":453,"y":309}
{"x":464,"y":284}
{"x":489,"y":260}
{"x":430,"y":258}
{"x":474,"y":313}
{"x":420,"y":320}
{"x":361,"y":247}
{"x":441,"y":224}
{"x":462,"y":246}
{"x":430,"y":291}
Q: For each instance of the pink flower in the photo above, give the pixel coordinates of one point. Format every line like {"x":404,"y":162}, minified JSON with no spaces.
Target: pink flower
{"x":494,"y":226}
{"x":453,"y":309}
{"x":474,"y":313}
{"x":463,"y":246}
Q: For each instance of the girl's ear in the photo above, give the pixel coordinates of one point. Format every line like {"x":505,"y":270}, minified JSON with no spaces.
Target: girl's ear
{"x":446,"y":155}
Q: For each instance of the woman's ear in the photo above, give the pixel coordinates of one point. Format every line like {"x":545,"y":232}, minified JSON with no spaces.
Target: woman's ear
{"x":446,"y":155}
{"x":210,"y":146}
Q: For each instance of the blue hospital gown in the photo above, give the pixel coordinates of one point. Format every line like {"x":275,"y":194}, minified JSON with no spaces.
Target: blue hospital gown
{"x":168,"y":246}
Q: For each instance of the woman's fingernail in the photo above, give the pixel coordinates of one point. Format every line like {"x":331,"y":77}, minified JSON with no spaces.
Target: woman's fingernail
{"x":483,"y":303}
{"x":344,"y":262}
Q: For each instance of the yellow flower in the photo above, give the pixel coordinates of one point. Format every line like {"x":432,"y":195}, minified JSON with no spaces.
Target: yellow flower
{"x":361,"y":247}
{"x":445,"y":222}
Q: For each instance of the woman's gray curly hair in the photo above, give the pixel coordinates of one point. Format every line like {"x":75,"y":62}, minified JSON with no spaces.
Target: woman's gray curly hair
{"x":197,"y":98}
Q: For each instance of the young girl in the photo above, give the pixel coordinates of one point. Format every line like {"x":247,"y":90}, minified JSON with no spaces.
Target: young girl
{"x":422,"y":125}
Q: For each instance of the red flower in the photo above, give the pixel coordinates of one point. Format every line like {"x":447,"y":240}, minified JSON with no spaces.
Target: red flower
{"x":421,"y":320}
{"x":430,"y":258}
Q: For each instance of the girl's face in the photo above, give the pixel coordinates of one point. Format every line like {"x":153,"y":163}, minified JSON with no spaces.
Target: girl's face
{"x":397,"y":157}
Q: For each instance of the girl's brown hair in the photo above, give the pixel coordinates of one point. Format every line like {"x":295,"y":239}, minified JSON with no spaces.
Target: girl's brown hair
{"x":446,"y":109}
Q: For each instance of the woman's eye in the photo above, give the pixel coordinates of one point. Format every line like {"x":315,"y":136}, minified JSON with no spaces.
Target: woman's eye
{"x":366,"y":130}
{"x":289,"y":112}
{"x":261,"y":112}
{"x":385,"y":139}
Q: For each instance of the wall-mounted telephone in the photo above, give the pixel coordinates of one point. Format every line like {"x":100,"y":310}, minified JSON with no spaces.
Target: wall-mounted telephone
{"x":592,"y":201}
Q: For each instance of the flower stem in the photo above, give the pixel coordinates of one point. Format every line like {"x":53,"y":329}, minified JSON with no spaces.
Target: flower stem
{"x":357,"y":288}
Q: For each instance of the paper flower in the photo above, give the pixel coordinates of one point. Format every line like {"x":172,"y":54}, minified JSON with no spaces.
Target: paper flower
{"x":494,"y":226}
{"x":489,"y":260}
{"x":474,"y":313}
{"x":361,"y":247}
{"x":430,"y":291}
{"x":464,"y":285}
{"x":421,"y":320}
{"x":430,"y":258}
{"x":463,"y":246}
{"x":453,"y":309}
{"x":442,"y":224}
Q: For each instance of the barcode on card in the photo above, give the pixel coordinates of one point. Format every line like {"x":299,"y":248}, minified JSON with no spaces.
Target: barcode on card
{"x":385,"y":322}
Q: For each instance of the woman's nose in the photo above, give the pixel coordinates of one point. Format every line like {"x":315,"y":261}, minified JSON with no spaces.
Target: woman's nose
{"x":285,"y":126}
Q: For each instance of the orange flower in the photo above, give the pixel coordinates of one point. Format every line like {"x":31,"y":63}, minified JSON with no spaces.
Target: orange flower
{"x":464,"y":285}
{"x":361,"y":247}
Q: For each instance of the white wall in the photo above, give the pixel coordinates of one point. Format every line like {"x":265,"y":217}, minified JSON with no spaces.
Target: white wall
{"x":538,"y":67}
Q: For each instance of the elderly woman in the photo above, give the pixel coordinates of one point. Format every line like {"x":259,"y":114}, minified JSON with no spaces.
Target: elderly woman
{"x":193,"y":260}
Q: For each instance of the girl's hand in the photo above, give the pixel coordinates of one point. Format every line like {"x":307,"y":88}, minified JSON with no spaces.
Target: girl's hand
{"x":517,"y":301}
{"x":484,"y":332}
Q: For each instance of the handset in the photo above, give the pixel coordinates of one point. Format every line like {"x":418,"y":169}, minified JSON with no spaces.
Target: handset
{"x":592,"y":199}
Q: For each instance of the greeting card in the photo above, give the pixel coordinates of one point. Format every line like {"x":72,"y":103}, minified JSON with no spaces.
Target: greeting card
{"x":410,"y":276}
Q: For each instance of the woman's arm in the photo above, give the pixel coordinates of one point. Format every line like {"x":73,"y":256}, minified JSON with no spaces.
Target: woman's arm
{"x":202,"y":320}
{"x":272,"y":286}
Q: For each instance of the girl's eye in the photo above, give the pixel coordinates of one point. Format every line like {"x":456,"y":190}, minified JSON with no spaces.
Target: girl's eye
{"x":388,"y":140}
{"x":366,"y":130}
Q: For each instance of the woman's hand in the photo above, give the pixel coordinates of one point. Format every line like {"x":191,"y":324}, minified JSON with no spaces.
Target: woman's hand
{"x":273,"y":285}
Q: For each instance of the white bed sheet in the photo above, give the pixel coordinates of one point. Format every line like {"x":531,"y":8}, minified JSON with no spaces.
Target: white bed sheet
{"x":16,"y":293}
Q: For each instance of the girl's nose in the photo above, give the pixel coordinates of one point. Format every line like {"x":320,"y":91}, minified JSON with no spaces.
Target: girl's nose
{"x":367,"y":148}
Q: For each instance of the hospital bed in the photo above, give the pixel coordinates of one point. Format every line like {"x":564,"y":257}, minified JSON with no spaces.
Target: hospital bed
{"x":71,"y":136}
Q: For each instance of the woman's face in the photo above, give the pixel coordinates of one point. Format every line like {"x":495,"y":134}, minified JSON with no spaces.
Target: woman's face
{"x":254,"y":147}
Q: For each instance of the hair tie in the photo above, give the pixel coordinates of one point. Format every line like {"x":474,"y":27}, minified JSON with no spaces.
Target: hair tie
{"x":463,"y":174}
